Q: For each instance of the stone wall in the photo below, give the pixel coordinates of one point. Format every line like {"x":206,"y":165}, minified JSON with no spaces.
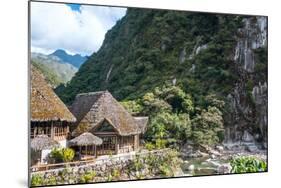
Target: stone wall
{"x":112,"y":169}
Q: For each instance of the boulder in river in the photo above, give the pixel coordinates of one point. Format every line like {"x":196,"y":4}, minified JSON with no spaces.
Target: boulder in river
{"x":191,"y":167}
{"x":224,"y":168}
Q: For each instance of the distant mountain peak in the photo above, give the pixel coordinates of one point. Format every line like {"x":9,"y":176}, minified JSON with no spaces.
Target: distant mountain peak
{"x":76,"y":60}
{"x":59,"y":52}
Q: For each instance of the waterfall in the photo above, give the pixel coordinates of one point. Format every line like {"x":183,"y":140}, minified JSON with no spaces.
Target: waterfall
{"x":108,"y":73}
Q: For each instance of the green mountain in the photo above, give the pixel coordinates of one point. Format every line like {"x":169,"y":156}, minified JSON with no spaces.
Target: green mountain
{"x":54,"y":69}
{"x":204,"y":54}
{"x":76,"y":60}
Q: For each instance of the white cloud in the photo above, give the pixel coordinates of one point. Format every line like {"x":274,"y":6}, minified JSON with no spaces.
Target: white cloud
{"x":56,"y":26}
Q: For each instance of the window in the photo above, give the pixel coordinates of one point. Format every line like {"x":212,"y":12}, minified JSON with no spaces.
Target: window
{"x":40,"y":128}
{"x":108,"y":145}
{"x":105,"y":127}
{"x":60,"y":130}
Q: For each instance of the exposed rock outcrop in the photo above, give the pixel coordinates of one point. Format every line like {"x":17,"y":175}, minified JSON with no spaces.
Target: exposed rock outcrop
{"x":247,"y":104}
{"x":251,"y":37}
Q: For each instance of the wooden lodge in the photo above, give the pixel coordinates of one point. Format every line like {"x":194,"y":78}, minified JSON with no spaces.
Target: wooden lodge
{"x":49,"y":115}
{"x":100,"y":114}
{"x":97,"y":123}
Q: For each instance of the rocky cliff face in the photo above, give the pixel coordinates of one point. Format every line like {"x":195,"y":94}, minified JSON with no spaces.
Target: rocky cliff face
{"x":246,"y":121}
{"x":251,"y":37}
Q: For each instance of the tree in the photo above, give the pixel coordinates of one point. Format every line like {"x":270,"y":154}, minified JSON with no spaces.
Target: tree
{"x":207,"y":127}
{"x":176,"y":97}
{"x":169,"y":126}
{"x":212,"y":100}
{"x":153,"y":105}
{"x":166,"y":99}
{"x":132,"y":106}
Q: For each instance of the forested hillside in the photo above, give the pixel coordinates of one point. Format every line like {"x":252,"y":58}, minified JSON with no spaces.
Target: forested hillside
{"x":55,"y":70}
{"x":209,"y":59}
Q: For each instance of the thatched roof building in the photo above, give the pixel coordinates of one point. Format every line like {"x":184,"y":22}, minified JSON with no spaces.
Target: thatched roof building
{"x":42,"y":142}
{"x":85,"y":139}
{"x":92,"y":109}
{"x":45,"y":104}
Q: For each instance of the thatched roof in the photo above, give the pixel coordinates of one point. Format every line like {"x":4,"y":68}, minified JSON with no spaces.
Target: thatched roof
{"x":85,"y":139}
{"x":45,"y":104}
{"x":142,"y":123}
{"x":41,"y":142}
{"x":91,"y":109}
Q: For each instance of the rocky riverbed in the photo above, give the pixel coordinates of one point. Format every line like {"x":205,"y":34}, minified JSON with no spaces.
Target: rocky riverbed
{"x":209,"y":161}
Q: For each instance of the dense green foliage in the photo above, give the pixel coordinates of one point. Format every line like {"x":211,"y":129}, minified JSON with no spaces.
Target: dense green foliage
{"x":175,"y":118}
{"x":247,"y":164}
{"x":62,"y":154}
{"x":163,"y":165}
{"x":207,"y":127}
{"x":147,"y":48}
{"x":37,"y":180}
{"x":87,"y":177}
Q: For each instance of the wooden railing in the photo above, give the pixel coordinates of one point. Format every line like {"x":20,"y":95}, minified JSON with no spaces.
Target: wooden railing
{"x":128,"y":156}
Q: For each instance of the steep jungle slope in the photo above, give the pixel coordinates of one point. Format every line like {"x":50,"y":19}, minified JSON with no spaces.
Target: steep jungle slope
{"x":203,"y":53}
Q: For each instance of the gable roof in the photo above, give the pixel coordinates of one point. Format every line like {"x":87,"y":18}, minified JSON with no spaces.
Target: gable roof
{"x":101,"y":126}
{"x":142,"y":123}
{"x":93,"y":108}
{"x":45,"y":104}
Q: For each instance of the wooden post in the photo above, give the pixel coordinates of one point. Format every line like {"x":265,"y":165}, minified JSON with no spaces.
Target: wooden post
{"x":116,"y":145}
{"x":35,"y":131}
{"x":95,"y":147}
{"x":136,"y":142}
{"x":52,"y":130}
{"x":40,"y":156}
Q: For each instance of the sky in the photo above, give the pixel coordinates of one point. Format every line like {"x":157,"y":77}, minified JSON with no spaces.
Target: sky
{"x":77,"y":29}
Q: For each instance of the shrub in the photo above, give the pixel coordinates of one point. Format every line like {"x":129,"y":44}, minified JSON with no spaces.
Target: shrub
{"x":149,"y":146}
{"x":62,"y":154}
{"x":67,"y":154}
{"x":163,"y":164}
{"x":165,"y":170}
{"x":87,"y":177}
{"x":109,"y":177}
{"x":51,"y":181}
{"x":160,"y":143}
{"x":115,"y":174}
{"x":56,"y":154}
{"x":137,"y":163}
{"x":36,"y":180}
{"x":247,"y":164}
